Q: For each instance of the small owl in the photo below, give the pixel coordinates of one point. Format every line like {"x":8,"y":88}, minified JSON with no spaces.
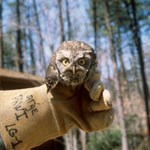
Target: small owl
{"x":71,"y":64}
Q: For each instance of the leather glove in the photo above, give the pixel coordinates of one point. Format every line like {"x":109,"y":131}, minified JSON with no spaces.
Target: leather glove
{"x":100,"y":96}
{"x":30,"y":117}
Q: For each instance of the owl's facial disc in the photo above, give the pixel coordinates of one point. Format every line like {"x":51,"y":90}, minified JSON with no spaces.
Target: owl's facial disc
{"x":73,"y":70}
{"x":73,"y":78}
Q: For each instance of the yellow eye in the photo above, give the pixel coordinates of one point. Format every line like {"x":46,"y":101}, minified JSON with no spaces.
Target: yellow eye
{"x":65,"y":62}
{"x":81,"y":62}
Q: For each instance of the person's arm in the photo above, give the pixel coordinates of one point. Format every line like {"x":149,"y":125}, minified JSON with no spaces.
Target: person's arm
{"x":30,"y":117}
{"x":27,"y":118}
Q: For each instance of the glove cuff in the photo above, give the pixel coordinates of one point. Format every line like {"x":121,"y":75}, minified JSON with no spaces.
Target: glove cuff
{"x":28,"y":118}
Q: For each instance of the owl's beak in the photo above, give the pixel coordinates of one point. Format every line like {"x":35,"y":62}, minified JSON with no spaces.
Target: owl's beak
{"x":73,"y":69}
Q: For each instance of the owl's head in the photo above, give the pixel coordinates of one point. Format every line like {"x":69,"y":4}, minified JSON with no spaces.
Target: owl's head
{"x":71,"y":64}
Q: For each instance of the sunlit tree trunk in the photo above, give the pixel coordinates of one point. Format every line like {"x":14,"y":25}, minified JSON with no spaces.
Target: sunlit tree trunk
{"x":116,"y":77}
{"x":1,"y":35}
{"x":41,"y":49}
{"x":71,"y":140}
{"x":61,"y":24}
{"x":83,"y":140}
{"x":18,"y":40}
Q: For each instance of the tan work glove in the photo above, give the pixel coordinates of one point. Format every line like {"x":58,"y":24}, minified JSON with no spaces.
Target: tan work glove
{"x":100,"y":96}
{"x":30,"y":117}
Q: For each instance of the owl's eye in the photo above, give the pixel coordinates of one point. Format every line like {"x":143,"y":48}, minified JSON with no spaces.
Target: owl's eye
{"x":81,"y":62}
{"x":65,"y":61}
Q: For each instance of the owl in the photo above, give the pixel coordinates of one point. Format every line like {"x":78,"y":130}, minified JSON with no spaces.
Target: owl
{"x":71,"y":64}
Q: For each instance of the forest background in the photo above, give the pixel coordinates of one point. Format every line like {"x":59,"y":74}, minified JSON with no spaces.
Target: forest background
{"x":118,"y":30}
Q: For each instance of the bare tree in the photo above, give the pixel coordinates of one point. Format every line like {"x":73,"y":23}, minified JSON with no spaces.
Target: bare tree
{"x":134,"y":56}
{"x":134,"y":27}
{"x":68,"y":20}
{"x":41,"y":49}
{"x":61,"y":24}
{"x":71,"y":140}
{"x":94,"y":4}
{"x":123,"y":77}
{"x":83,"y":139}
{"x":32,"y":50}
{"x":138,"y":43}
{"x":116,"y":77}
{"x":1,"y":34}
{"x":18,"y":40}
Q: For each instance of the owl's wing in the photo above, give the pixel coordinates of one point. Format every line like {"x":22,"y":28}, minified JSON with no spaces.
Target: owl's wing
{"x":52,"y":74}
{"x":52,"y":77}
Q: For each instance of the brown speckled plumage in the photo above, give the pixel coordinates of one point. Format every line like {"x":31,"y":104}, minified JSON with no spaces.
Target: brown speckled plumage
{"x":73,"y":51}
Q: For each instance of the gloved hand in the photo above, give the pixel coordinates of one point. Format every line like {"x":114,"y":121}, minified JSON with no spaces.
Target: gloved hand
{"x":100,"y":96}
{"x":30,"y":117}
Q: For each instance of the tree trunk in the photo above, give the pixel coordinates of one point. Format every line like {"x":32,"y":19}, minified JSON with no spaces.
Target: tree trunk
{"x":124,"y":81}
{"x":32,"y":50}
{"x":116,"y":77}
{"x":41,"y":49}
{"x":135,"y":71}
{"x":94,"y":4}
{"x":61,"y":25}
{"x":83,"y":140}
{"x":18,"y":42}
{"x":138,"y":43}
{"x":71,"y":140}
{"x":134,"y":27}
{"x":1,"y":35}
{"x":68,"y":20}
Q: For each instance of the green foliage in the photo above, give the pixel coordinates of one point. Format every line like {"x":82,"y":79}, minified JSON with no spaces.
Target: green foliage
{"x":108,"y":140}
{"x":132,"y":124}
{"x":134,"y":140}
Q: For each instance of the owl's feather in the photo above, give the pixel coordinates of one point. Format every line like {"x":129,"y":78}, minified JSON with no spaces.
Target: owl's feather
{"x":52,"y":75}
{"x":73,"y":51}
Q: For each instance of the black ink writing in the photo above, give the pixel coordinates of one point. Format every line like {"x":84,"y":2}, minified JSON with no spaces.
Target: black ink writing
{"x":16,"y":142}
{"x":24,"y":113}
{"x":12,"y":131}
{"x":24,"y":106}
{"x":32,"y":102}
